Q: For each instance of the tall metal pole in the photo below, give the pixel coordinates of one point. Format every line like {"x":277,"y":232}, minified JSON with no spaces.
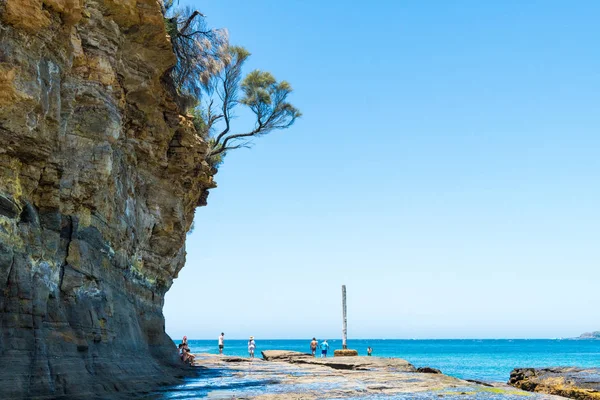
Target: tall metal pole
{"x":345,"y":326}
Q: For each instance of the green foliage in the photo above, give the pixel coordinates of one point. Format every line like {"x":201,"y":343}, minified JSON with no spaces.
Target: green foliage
{"x":201,"y":52}
{"x":171,"y":26}
{"x":238,"y":54}
{"x":267,"y":99}
{"x":208,"y":75}
{"x":261,"y":93}
{"x":216,"y":160}
{"x":200,"y":122}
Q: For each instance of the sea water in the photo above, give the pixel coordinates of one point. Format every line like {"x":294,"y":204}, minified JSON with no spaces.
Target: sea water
{"x":486,"y":360}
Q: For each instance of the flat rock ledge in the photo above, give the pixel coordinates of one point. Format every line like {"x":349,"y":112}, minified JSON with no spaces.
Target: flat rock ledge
{"x":569,"y":382}
{"x":294,"y":376}
{"x":356,"y":363}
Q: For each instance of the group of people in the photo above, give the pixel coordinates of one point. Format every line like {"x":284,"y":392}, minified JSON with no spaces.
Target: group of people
{"x":187,"y":357}
{"x":251,"y":345}
{"x":184,"y":352}
{"x":324,"y":347}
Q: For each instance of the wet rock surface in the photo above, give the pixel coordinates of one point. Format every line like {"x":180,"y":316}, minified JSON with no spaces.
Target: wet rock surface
{"x":570,"y":382}
{"x":99,"y":179}
{"x":222,"y":377}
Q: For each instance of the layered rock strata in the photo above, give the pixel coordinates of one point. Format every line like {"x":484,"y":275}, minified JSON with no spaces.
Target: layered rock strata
{"x":100,"y":175}
{"x":569,"y":382}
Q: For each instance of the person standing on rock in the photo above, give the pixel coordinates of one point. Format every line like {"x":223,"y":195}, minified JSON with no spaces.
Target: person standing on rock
{"x":324,"y":348}
{"x":251,"y":347}
{"x":221,"y":342}
{"x":313,"y":346}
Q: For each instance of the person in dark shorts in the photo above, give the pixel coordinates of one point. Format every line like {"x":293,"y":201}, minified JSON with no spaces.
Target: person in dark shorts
{"x":221,"y":342}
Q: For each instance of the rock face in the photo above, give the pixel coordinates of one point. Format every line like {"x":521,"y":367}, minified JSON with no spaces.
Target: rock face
{"x":99,"y":179}
{"x":573,"y":383}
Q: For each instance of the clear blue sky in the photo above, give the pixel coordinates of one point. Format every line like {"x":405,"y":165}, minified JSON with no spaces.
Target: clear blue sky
{"x":446,"y":169}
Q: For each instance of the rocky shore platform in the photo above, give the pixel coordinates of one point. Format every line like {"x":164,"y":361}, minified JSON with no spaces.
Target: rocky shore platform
{"x":570,"y":382}
{"x":284,"y":375}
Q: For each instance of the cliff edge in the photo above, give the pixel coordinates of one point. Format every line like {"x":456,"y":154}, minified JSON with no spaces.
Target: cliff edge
{"x":99,"y":179}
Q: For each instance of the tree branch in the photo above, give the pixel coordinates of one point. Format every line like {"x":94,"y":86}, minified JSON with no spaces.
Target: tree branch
{"x":189,"y":21}
{"x":224,"y":147}
{"x":225,"y":112}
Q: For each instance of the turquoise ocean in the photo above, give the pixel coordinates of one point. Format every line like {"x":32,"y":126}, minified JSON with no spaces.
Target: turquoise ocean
{"x":486,"y":360}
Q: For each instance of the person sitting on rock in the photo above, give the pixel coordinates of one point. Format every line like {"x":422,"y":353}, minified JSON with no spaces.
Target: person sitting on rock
{"x":188,"y":355}
{"x":182,"y":353}
{"x":185,"y":354}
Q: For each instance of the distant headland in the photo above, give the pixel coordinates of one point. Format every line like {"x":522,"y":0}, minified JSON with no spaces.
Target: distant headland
{"x":588,"y":335}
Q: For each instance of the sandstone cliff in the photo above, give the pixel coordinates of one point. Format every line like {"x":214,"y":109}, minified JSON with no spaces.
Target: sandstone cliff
{"x":99,"y":179}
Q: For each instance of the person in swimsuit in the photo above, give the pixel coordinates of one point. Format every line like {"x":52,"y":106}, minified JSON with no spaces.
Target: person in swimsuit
{"x":313,"y":346}
{"x":185,"y":354}
{"x":369,"y":351}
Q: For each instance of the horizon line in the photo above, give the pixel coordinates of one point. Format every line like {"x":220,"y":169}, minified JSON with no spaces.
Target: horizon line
{"x":474,"y":338}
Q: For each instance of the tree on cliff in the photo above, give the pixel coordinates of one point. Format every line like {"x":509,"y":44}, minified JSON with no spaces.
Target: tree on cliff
{"x":201,"y":52}
{"x":259,"y":91}
{"x":209,"y":71}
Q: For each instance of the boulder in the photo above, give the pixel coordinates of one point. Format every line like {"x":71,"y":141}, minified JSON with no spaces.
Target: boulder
{"x":345,"y":353}
{"x":569,"y":382}
{"x":284,"y":355}
{"x":428,"y":370}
